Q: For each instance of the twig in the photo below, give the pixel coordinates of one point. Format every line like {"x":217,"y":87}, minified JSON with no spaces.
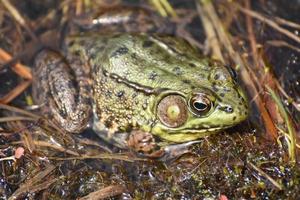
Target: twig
{"x":15,"y":118}
{"x":270,"y":23}
{"x":210,"y":33}
{"x":100,"y":156}
{"x":251,"y":34}
{"x":19,"y":110}
{"x":8,"y":158}
{"x":30,"y":184}
{"x":86,"y":141}
{"x":287,"y":23}
{"x":78,"y":7}
{"x":164,"y":8}
{"x":11,"y":95}
{"x":26,"y":136}
{"x":168,"y":7}
{"x":54,"y":146}
{"x":291,"y":131}
{"x":104,"y":193}
{"x":159,"y":8}
{"x":262,"y":173}
{"x":296,"y":105}
{"x":281,"y":43}
{"x":15,"y":13}
{"x":18,"y":68}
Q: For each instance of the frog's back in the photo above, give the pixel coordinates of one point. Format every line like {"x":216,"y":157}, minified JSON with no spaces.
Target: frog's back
{"x":152,"y":61}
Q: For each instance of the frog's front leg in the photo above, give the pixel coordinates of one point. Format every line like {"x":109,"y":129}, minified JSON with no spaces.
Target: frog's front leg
{"x":61,"y":87}
{"x":144,"y":143}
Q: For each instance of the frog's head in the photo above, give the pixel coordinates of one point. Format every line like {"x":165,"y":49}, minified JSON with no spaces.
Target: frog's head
{"x":207,"y":107}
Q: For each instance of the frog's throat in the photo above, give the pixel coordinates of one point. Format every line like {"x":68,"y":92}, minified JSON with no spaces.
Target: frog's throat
{"x":185,"y":135}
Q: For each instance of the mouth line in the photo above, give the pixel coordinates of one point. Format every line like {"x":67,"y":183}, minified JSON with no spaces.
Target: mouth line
{"x":204,"y":130}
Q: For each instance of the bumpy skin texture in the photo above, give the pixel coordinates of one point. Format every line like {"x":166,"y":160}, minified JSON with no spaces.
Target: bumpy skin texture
{"x":62,"y":87}
{"x":130,"y":74}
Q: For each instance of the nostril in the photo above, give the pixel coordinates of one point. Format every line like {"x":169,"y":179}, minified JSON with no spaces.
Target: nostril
{"x":227,"y":109}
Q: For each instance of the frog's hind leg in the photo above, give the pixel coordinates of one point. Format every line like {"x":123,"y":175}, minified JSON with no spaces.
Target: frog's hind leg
{"x":62,"y":89}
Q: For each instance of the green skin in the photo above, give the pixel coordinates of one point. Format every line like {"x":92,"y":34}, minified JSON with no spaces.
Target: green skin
{"x":119,"y":81}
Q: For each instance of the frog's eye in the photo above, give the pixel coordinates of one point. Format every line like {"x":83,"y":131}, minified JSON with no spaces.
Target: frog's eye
{"x":200,"y":104}
{"x":172,"y":111}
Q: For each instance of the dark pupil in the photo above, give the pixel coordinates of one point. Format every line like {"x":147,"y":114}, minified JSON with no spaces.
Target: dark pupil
{"x":200,"y":106}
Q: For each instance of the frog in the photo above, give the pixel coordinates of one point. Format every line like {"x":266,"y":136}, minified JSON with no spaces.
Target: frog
{"x":147,"y":92}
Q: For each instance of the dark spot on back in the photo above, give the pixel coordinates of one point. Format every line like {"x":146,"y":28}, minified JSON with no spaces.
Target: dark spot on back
{"x":76,"y":52}
{"x":226,"y":89}
{"x":82,"y":43}
{"x":177,"y":71}
{"x":222,"y":95}
{"x":108,"y":93}
{"x":217,"y":76}
{"x":152,"y":75}
{"x":147,"y":44}
{"x":71,"y":43}
{"x":134,"y":56}
{"x":105,"y":72}
{"x":115,"y":36}
{"x":120,"y":93}
{"x":201,"y":76}
{"x":192,"y":65}
{"x":186,"y":81}
{"x":214,"y":87}
{"x":134,"y":95}
{"x":166,"y":57}
{"x":120,"y":51}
